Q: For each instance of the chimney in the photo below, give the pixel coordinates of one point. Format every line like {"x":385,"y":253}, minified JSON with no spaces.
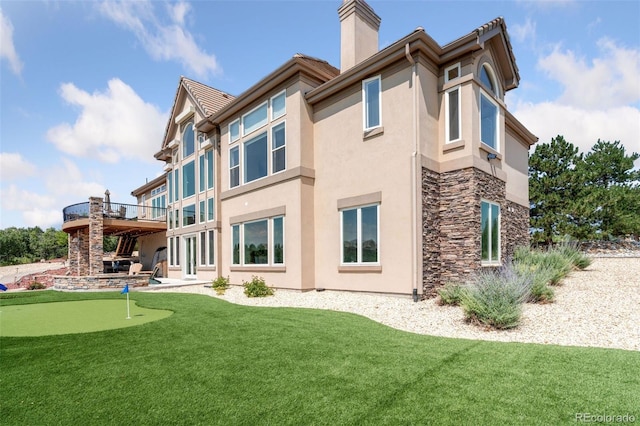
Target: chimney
{"x":359,"y":26}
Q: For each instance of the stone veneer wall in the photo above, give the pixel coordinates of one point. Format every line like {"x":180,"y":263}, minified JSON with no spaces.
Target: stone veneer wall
{"x":79,"y":252}
{"x":103,"y":281}
{"x":451,"y":224}
{"x":96,"y":228}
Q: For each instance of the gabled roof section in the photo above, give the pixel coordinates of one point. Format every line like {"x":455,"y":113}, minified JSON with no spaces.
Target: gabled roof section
{"x":419,"y":42}
{"x":206,"y":99}
{"x":317,"y":69}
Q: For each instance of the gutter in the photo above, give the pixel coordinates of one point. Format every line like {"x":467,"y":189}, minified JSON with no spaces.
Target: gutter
{"x":415,"y":156}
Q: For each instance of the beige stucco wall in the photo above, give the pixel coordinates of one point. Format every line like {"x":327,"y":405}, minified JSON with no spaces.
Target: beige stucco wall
{"x":349,"y":165}
{"x":147,"y":246}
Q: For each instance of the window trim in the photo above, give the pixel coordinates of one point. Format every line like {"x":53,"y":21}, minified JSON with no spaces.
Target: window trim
{"x":365,"y":105}
{"x":489,"y":261}
{"x":183,"y":140}
{"x":448,"y":114}
{"x":231,"y":138}
{"x":359,"y":261}
{"x":489,"y":98}
{"x":283,"y":92}
{"x":237,"y":166}
{"x":244,"y":132}
{"x":243,"y":158}
{"x":447,"y":69}
{"x":270,"y":265}
{"x":273,"y":150}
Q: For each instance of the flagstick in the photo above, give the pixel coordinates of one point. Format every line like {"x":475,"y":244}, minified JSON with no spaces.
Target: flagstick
{"x":128,"y":316}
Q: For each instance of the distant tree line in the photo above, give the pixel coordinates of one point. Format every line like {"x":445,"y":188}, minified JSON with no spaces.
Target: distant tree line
{"x":28,"y":245}
{"x":583,"y":197}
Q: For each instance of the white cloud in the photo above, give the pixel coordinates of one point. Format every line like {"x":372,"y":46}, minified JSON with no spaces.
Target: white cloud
{"x":609,"y":80}
{"x":112,"y":125}
{"x":582,"y":127}
{"x":14,"y":167}
{"x":524,"y":32}
{"x":7,"y":48}
{"x":35,"y":209}
{"x":66,"y":180}
{"x":163,"y":40}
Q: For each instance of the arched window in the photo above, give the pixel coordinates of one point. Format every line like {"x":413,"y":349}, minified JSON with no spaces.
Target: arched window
{"x":188,"y":141}
{"x":487,"y":78}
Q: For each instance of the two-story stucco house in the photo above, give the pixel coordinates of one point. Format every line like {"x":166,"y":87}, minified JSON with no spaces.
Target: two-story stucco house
{"x":396,"y":173}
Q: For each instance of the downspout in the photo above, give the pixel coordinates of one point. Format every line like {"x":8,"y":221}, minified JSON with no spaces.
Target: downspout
{"x":414,"y":159}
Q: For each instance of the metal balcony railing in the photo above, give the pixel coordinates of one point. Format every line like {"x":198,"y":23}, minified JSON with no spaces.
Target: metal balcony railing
{"x":116,"y":211}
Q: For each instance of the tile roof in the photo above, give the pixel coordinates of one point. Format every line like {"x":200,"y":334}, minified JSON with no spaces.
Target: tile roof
{"x":210,"y":100}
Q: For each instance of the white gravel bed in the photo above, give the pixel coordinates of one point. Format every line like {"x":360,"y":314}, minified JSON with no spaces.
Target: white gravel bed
{"x":597,"y":307}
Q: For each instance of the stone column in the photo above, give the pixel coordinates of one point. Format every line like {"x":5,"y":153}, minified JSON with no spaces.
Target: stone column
{"x":96,"y":227}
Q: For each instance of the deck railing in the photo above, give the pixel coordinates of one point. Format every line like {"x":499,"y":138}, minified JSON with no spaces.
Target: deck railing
{"x":116,"y":211}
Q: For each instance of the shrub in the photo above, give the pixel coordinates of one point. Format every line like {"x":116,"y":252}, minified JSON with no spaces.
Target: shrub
{"x":257,"y":287}
{"x":220,"y":284}
{"x":450,"y":294}
{"x":555,"y":263}
{"x":36,"y":286}
{"x":539,"y":277}
{"x":494,"y":298}
{"x":570,"y":250}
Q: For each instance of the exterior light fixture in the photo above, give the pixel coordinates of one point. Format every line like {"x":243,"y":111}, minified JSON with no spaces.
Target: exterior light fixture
{"x":491,"y":156}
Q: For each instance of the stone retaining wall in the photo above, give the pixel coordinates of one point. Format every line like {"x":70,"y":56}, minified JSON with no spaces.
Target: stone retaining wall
{"x":99,"y":282}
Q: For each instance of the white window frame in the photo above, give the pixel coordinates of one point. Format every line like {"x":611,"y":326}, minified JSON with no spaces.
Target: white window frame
{"x":273,"y":150}
{"x":237,"y":166}
{"x":359,"y":235}
{"x":449,"y":68}
{"x":447,"y":100}
{"x":183,"y":141}
{"x":489,"y":261}
{"x":365,"y":104}
{"x":211,"y":209}
{"x":488,"y":97}
{"x":284,"y":111}
{"x":246,"y":131}
{"x":243,"y":158}
{"x":233,"y":124}
{"x":195,"y":215}
{"x":270,"y":242}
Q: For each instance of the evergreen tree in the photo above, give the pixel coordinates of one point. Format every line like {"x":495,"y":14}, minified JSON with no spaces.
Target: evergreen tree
{"x":554,"y":184}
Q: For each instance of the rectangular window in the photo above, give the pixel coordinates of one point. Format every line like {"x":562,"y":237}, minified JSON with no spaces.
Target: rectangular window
{"x":488,"y":122}
{"x":278,"y":105}
{"x":203,"y":248}
{"x":371,"y":93}
{"x":360,"y":236}
{"x":170,"y":219}
{"x":201,"y":173}
{"x":176,"y":217}
{"x":171,"y":256}
{"x":189,"y":215}
{"x":176,"y":184}
{"x":255,"y":158}
{"x":490,"y":223}
{"x":202,"y":212}
{"x":452,"y":100}
{"x":210,"y":246}
{"x":234,"y":131}
{"x":210,"y":179}
{"x":188,"y":179}
{"x":234,"y":167}
{"x":278,"y":154}
{"x":278,"y":240}
{"x":170,"y":186}
{"x":256,"y":243}
{"x":255,"y":119}
{"x":211,"y":212}
{"x":235,"y":244}
{"x":177,"y":245}
{"x":452,"y":72}
{"x":158,"y":205}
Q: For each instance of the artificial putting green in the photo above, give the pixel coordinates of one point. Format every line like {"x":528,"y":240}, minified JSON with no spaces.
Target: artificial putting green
{"x":43,"y":319}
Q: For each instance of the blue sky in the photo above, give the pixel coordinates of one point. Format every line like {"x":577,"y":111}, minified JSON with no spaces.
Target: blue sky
{"x":86,"y":87}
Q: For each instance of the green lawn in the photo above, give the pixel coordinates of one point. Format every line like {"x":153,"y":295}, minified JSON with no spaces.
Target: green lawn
{"x":212,"y":362}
